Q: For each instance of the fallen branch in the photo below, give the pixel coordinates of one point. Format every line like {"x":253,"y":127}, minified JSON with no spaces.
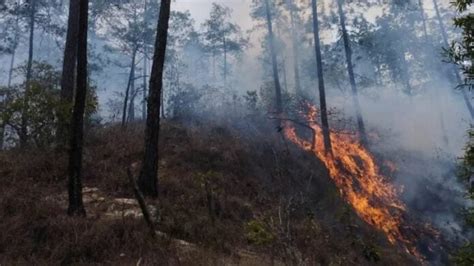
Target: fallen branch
{"x":141,"y":202}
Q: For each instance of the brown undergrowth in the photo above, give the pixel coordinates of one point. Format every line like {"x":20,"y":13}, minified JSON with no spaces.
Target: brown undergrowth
{"x":227,"y":190}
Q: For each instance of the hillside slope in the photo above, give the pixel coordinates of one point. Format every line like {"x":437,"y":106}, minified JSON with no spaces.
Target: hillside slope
{"x":235,"y":196}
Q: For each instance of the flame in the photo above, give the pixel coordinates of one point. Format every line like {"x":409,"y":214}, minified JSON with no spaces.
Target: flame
{"x":354,"y":171}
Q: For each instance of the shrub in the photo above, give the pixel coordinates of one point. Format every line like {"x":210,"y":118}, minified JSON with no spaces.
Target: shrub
{"x":32,"y":114}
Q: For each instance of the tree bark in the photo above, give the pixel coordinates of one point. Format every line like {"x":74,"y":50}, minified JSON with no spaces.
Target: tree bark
{"x":148,"y":179}
{"x":455,"y":70}
{"x":322,"y":93}
{"x":76,"y":206}
{"x":131,"y":78}
{"x":70,"y":53}
{"x":276,"y":78}
{"x":350,"y":70}
{"x":145,"y":87}
{"x":69,"y":65}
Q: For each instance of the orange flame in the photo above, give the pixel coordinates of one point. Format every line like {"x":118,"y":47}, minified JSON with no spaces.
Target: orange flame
{"x":354,"y":171}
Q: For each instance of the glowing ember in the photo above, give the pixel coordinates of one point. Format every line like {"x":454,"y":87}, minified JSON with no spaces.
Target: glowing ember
{"x":355,"y":173}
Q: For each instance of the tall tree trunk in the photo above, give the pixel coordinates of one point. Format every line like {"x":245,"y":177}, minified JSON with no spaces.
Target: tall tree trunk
{"x":69,"y":65}
{"x":322,"y":93}
{"x":294,"y":40}
{"x":76,"y":206}
{"x":23,"y":134}
{"x":285,"y":77}
{"x":431,"y":61}
{"x":15,"y":46}
{"x":350,"y":70}
{"x":423,"y":19}
{"x":31,"y":41}
{"x":12,"y":65}
{"x":129,"y":85}
{"x":224,"y":42}
{"x":145,"y":62}
{"x":405,"y":75}
{"x":131,"y":106}
{"x":145,"y":87}
{"x":276,"y":78}
{"x":70,"y":53}
{"x":455,"y":70}
{"x":2,"y":135}
{"x":148,"y":180}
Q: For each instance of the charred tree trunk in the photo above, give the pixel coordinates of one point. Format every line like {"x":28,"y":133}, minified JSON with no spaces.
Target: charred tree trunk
{"x":69,"y":65}
{"x":148,"y":180}
{"x":76,"y":206}
{"x":276,"y":78}
{"x":296,"y":58}
{"x":350,"y":70}
{"x":145,"y":87}
{"x":322,"y":92}
{"x":455,"y":70}
{"x":70,"y":53}
{"x":131,"y":106}
{"x":131,"y":78}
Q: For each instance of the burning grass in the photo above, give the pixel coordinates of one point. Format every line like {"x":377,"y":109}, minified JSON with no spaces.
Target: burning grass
{"x":361,"y":183}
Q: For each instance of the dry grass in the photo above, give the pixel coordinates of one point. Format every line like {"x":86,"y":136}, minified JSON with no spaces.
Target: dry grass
{"x":248,"y":177}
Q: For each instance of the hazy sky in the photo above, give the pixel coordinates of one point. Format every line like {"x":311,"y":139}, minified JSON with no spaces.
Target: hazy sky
{"x":200,"y":9}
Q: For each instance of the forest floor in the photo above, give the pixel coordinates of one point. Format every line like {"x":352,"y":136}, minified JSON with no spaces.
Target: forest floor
{"x":227,"y":197}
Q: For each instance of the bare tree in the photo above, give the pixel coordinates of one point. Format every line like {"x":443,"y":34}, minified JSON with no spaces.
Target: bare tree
{"x":148,"y":179}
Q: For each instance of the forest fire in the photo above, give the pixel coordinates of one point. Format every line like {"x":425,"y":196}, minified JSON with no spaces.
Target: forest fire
{"x":356,"y":174}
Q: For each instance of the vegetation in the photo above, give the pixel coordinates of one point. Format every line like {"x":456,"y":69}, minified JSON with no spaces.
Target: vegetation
{"x":301,"y":133}
{"x":462,"y":54}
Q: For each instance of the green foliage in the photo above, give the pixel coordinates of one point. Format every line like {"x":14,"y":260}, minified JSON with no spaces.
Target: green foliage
{"x":251,"y":100}
{"x":467,"y":163}
{"x":371,"y":252}
{"x":461,"y":52}
{"x":37,"y":106}
{"x":258,"y":233}
{"x":465,"y":255}
{"x":184,"y":101}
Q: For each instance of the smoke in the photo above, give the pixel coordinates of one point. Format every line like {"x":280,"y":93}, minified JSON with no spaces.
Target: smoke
{"x":423,"y":133}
